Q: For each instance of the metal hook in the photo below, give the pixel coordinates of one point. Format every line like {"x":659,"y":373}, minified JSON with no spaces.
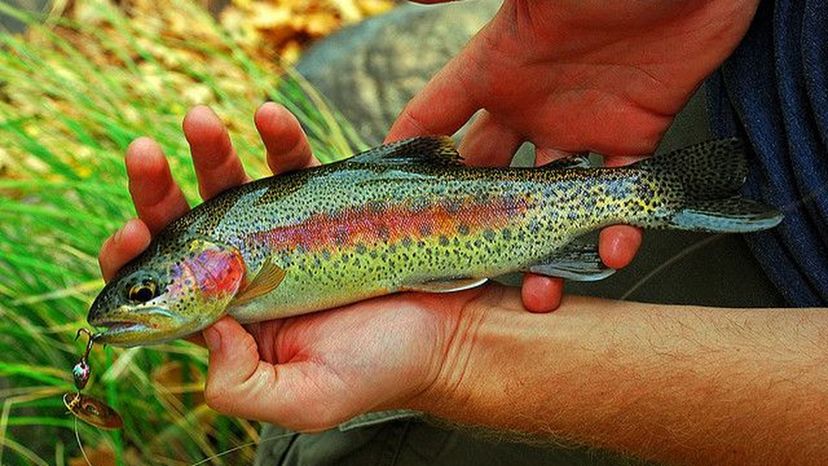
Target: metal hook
{"x":82,"y":371}
{"x":92,"y":338}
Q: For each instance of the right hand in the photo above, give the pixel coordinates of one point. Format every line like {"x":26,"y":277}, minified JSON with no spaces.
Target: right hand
{"x":158,"y":199}
{"x":574,"y":76}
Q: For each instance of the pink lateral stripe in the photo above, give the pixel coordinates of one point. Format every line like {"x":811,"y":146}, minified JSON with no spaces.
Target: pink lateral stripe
{"x":369,"y":226}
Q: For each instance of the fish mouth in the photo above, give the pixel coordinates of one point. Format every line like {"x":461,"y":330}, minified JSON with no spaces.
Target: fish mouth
{"x":121,"y":332}
{"x":121,"y":326}
{"x":125,"y":328}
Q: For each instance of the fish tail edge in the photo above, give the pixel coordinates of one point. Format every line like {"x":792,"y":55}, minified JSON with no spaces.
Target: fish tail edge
{"x":707,"y":177}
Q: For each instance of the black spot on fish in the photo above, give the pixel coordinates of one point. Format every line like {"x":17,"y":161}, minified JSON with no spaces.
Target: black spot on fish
{"x":452,"y":206}
{"x":375,"y":207}
{"x":341,"y":237}
{"x":425,"y":229}
{"x":463,"y":229}
{"x":383,"y":232}
{"x":443,"y":240}
{"x":489,"y":234}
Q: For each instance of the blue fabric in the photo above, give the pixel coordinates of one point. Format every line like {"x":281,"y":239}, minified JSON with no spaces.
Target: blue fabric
{"x":773,"y":92}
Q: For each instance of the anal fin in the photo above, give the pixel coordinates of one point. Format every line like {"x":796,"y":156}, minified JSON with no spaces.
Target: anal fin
{"x":446,"y":286}
{"x":577,"y":261}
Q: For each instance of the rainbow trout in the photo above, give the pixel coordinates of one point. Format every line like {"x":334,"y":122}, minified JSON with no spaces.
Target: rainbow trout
{"x":406,"y":216}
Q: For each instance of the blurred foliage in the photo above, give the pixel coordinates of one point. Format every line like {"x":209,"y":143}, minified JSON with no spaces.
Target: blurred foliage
{"x":75,"y":90}
{"x":281,"y":28}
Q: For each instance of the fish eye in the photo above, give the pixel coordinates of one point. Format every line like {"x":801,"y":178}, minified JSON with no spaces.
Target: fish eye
{"x":143,"y":291}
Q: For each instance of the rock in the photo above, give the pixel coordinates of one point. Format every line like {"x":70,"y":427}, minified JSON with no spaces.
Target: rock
{"x":369,"y":71}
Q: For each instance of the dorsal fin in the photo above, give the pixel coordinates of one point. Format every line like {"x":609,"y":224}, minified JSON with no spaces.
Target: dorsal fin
{"x":573,"y":161}
{"x":435,"y":150}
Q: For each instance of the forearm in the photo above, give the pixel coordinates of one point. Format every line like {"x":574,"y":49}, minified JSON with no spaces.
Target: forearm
{"x":670,"y":383}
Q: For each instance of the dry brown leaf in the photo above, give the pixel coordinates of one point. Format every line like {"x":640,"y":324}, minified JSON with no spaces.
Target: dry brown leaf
{"x":280,"y":29}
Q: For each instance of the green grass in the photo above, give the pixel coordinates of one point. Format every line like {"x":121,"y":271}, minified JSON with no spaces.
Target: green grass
{"x":72,"y":97}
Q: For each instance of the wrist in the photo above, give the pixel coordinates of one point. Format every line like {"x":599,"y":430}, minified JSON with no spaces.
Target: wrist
{"x":481,"y":362}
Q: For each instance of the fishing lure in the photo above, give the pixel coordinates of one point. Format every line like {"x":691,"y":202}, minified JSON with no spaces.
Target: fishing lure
{"x":86,"y":408}
{"x":81,"y":372}
{"x":93,"y":411}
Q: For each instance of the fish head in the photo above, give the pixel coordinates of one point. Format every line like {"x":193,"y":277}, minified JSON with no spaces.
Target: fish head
{"x":171,"y":290}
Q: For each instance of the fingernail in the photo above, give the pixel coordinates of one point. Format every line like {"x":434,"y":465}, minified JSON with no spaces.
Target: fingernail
{"x":213,"y":338}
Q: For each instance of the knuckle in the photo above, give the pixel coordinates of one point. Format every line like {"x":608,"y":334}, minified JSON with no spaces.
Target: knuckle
{"x":411,"y":114}
{"x":249,"y":345}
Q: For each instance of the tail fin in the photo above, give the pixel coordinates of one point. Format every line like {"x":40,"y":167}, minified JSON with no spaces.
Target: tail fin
{"x":708,"y":176}
{"x":733,"y":215}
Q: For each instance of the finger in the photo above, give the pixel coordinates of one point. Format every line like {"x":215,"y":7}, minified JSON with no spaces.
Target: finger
{"x":541,"y":294}
{"x":488,"y":143}
{"x":285,"y":140}
{"x":217,"y":166}
{"x":122,"y":247}
{"x":618,"y":244}
{"x":442,"y":107}
{"x":157,"y":198}
{"x":240,"y":384}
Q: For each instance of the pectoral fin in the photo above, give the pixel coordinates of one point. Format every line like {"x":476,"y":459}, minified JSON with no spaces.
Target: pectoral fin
{"x":446,"y":286}
{"x":266,"y":280}
{"x":577,"y":261}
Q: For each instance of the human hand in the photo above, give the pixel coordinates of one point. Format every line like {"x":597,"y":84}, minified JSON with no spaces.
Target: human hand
{"x":309,"y":372}
{"x":158,"y":199}
{"x":573,"y":76}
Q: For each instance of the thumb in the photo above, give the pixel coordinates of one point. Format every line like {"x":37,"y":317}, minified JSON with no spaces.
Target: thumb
{"x":240,"y":384}
{"x":234,"y":354}
{"x":442,"y":106}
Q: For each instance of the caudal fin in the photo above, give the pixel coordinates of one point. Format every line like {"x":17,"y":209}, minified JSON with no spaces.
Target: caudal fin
{"x":703,"y":180}
{"x":733,"y":215}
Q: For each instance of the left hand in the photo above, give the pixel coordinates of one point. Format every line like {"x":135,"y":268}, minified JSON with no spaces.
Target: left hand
{"x":309,"y":372}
